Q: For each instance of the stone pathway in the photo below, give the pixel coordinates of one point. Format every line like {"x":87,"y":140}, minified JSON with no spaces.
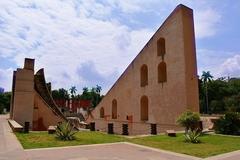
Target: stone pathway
{"x":227,"y":156}
{"x":117,"y":151}
{"x":10,"y":149}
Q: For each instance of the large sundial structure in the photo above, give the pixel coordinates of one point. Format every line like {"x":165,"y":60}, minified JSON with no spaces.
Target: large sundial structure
{"x":159,"y":84}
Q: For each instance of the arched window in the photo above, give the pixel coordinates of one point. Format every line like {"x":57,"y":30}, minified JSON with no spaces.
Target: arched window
{"x":162,"y":72}
{"x":144,"y":75}
{"x":144,"y":108}
{"x":161,"y":48}
{"x":114,"y":109}
{"x":101,"y":112}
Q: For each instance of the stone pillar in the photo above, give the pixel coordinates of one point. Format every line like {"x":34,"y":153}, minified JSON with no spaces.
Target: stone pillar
{"x":23,"y":94}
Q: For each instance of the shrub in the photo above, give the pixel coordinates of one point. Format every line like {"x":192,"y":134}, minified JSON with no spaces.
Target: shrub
{"x":193,"y":136}
{"x":189,"y":120}
{"x":65,"y":131}
{"x":228,"y":124}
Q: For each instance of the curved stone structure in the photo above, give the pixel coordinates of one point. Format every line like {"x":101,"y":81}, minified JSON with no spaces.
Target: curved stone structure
{"x":31,"y":99}
{"x":41,"y":87}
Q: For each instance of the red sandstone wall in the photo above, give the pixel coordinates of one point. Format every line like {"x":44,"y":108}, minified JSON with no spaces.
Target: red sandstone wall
{"x":43,"y":115}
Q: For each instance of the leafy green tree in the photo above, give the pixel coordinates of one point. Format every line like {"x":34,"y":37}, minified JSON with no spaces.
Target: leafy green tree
{"x":234,"y":86}
{"x":223,"y":95}
{"x":86,"y":94}
{"x":233,"y":103}
{"x":228,"y":124}
{"x":189,"y":120}
{"x":94,"y":94}
{"x":206,"y":78}
{"x":217,"y":106}
{"x":5,"y":100}
{"x":218,"y":89}
{"x":60,"y":94}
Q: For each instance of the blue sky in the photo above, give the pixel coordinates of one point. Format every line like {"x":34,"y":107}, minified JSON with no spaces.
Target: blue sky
{"x":90,"y":42}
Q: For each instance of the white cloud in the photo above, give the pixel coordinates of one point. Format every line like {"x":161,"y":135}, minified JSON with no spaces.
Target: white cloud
{"x":126,"y":6}
{"x":231,"y":66}
{"x":62,"y":38}
{"x":67,"y":36}
{"x":206,"y":22}
{"x":207,"y":18}
{"x":219,"y":63}
{"x":6,"y":78}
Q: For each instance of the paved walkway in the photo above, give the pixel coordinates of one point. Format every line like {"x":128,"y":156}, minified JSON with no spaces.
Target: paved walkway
{"x":227,"y":156}
{"x":117,"y":151}
{"x":10,"y":149}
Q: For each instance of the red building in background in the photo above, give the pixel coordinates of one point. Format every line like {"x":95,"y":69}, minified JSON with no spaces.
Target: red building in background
{"x":73,"y":105}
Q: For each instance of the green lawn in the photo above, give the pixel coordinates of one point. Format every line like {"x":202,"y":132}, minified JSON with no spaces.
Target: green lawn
{"x":44,"y":140}
{"x":210,"y":144}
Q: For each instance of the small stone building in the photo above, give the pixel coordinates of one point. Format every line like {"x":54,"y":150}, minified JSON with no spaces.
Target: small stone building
{"x":31,"y":99}
{"x":159,"y":84}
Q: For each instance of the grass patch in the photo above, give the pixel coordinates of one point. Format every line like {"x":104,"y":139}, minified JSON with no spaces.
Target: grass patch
{"x":45,"y":140}
{"x":210,"y":144}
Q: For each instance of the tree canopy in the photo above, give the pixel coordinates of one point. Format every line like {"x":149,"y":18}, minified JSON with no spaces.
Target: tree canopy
{"x":5,"y":99}
{"x":223,"y":95}
{"x":60,"y":94}
{"x":93,"y":94}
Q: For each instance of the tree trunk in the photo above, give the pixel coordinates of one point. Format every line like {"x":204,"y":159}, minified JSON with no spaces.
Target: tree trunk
{"x":206,"y":90}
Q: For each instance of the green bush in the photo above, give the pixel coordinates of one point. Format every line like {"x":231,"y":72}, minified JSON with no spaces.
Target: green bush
{"x":189,"y":120}
{"x":228,"y":124}
{"x":65,"y":131}
{"x":193,"y":136}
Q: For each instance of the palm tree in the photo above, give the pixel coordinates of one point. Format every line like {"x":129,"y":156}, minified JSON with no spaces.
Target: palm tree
{"x":98,"y":89}
{"x":73,"y":91}
{"x":206,"y":77}
{"x":85,"y":90}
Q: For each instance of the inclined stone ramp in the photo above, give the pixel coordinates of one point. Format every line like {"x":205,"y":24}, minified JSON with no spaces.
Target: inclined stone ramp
{"x":43,"y":90}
